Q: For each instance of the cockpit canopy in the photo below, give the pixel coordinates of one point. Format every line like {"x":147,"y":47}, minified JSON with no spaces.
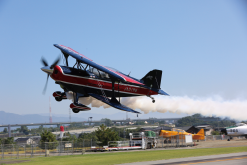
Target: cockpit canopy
{"x":98,"y":73}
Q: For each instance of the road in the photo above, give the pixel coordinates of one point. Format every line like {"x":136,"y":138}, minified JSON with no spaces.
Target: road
{"x":225,"y":159}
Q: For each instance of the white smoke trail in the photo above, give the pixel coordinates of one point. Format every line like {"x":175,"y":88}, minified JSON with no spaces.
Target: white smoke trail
{"x":87,"y":101}
{"x":216,"y":106}
{"x":234,"y":109}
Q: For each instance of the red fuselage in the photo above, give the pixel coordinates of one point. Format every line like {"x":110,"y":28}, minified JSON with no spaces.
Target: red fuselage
{"x":82,"y":81}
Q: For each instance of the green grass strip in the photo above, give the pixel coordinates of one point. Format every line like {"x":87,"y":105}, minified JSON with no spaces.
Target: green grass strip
{"x":129,"y":157}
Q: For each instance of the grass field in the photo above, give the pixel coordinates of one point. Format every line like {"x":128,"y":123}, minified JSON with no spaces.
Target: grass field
{"x":128,"y":157}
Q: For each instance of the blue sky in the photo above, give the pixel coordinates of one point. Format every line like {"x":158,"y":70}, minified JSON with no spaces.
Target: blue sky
{"x":199,"y":45}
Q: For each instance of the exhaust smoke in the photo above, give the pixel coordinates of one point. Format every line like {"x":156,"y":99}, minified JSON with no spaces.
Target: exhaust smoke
{"x":211,"y":106}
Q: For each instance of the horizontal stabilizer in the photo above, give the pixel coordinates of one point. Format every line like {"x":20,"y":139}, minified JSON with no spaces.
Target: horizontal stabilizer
{"x":161,"y":92}
{"x":111,"y":103}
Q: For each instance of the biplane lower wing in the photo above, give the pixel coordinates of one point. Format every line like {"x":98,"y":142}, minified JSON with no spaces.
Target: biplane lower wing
{"x":113,"y":104}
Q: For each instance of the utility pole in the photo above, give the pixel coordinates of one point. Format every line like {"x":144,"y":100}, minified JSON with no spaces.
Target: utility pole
{"x":50,"y":109}
{"x":218,"y":125}
{"x":89,"y":122}
{"x":124,"y":135}
{"x":9,"y":130}
{"x":69,"y":115}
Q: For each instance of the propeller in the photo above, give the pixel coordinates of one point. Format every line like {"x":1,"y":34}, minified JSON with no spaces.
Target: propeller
{"x":48,"y":69}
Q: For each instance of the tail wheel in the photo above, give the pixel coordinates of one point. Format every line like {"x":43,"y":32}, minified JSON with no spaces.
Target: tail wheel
{"x":75,"y":110}
{"x":58,"y":98}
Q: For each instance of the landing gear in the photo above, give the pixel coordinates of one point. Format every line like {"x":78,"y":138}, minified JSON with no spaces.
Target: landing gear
{"x":58,"y":98}
{"x":77,"y":107}
{"x":151,"y":98}
{"x":75,"y":110}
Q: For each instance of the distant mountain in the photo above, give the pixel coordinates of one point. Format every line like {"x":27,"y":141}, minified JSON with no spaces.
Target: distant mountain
{"x":11,"y":118}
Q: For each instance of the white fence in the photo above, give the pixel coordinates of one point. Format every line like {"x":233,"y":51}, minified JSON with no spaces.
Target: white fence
{"x":221,"y":137}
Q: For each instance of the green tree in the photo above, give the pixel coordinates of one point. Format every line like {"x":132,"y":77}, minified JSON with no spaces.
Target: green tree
{"x":1,"y":140}
{"x":194,"y":120}
{"x":188,"y":121}
{"x":47,"y":137}
{"x":5,"y":130}
{"x":9,"y":140}
{"x":91,"y":135}
{"x":222,"y":123}
{"x":197,"y":115}
{"x":24,"y":129}
{"x":70,"y":137}
{"x":105,"y":134}
{"x":215,"y":133}
{"x":108,"y":122}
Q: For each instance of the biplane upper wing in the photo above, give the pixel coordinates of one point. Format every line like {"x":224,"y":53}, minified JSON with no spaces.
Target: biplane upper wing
{"x":90,"y":62}
{"x":113,"y":104}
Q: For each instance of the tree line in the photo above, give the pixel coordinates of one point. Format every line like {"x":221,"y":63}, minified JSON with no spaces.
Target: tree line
{"x":103,"y":134}
{"x":197,"y":119}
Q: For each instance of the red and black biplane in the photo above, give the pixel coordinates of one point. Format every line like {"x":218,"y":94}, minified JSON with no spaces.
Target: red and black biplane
{"x":87,"y":78}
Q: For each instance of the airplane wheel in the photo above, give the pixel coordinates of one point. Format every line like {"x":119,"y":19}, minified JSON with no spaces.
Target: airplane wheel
{"x":75,"y":110}
{"x":58,"y":98}
{"x":153,"y":101}
{"x":228,"y":139}
{"x":58,"y":92}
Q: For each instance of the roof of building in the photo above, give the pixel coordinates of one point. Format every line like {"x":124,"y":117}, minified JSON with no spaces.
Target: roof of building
{"x":184,"y":128}
{"x":22,"y":139}
{"x":204,"y":126}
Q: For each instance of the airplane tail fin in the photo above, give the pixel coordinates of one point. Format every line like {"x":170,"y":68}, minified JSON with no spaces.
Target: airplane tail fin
{"x":200,"y":135}
{"x":153,"y":79}
{"x":201,"y":132}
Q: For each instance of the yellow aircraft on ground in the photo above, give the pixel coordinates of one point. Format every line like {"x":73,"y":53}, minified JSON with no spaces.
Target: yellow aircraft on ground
{"x":169,"y":134}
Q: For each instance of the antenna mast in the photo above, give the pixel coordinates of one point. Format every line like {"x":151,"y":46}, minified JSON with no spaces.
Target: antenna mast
{"x":69,"y":115}
{"x":50,"y":109}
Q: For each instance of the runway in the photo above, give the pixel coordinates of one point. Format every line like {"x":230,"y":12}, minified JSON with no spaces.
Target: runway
{"x":225,"y":159}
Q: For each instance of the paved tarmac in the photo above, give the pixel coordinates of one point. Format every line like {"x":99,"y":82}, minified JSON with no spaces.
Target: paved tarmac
{"x":224,"y":159}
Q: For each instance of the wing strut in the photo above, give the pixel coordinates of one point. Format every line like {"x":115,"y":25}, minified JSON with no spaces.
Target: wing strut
{"x":66,"y":58}
{"x":113,"y":98}
{"x":118,"y":92}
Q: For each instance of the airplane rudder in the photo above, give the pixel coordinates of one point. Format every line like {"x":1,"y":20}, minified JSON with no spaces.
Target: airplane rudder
{"x":201,"y":132}
{"x":153,"y":78}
